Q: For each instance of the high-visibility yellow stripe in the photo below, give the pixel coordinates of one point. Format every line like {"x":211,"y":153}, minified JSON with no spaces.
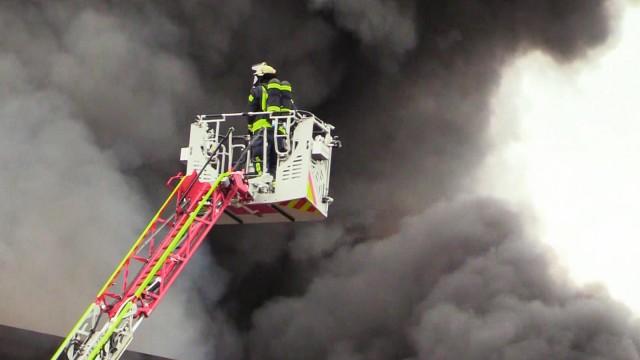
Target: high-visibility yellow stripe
{"x":263,"y":103}
{"x":310,"y":194}
{"x":279,"y":86}
{"x":259,"y":124}
{"x":251,"y":97}
{"x":273,"y":108}
{"x":306,"y":206}
{"x":140,"y":238}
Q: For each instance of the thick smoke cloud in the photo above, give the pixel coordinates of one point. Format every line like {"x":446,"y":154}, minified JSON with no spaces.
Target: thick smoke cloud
{"x":99,"y":94}
{"x":376,"y":22}
{"x":86,"y":93}
{"x":460,"y":281}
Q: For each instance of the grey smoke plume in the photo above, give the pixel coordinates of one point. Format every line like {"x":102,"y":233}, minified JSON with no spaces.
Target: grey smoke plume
{"x":376,"y":22}
{"x":459,"y":281}
{"x":97,"y":96}
{"x":86,"y":93}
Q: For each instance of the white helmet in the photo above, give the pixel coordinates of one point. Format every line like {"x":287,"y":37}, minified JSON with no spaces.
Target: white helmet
{"x":262,"y":69}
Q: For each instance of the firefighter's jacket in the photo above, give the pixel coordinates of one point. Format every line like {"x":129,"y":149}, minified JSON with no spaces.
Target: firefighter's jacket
{"x":274,"y":96}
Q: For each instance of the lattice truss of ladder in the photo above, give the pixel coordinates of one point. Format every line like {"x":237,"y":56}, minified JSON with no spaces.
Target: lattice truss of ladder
{"x":153,"y":263}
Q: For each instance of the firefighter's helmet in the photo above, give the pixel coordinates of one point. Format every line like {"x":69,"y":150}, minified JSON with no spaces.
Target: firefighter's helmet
{"x":262,"y":69}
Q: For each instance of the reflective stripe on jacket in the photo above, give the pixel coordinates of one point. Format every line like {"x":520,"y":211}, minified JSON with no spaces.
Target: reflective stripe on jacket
{"x":273,"y":95}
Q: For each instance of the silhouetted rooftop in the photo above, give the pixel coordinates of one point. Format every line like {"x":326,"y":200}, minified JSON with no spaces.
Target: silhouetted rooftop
{"x":29,"y":345}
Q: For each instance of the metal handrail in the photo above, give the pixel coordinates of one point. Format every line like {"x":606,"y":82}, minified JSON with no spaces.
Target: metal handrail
{"x":286,"y":119}
{"x":224,"y":116}
{"x":285,"y":136}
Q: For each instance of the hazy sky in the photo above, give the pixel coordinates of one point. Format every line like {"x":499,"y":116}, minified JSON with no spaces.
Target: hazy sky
{"x":573,"y":156}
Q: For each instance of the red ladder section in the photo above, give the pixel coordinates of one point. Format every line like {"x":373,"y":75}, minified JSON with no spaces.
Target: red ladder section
{"x":171,"y":239}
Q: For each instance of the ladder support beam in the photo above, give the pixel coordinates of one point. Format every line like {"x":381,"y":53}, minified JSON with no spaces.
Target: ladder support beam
{"x":149,"y":269}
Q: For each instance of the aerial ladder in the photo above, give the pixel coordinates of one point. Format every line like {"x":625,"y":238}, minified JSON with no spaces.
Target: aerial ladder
{"x":221,"y":187}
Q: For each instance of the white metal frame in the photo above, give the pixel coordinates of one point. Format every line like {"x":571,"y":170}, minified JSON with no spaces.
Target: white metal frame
{"x":304,"y":132}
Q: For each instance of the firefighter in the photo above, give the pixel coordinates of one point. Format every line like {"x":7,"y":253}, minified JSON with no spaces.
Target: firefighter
{"x":259,"y":125}
{"x":268,"y":94}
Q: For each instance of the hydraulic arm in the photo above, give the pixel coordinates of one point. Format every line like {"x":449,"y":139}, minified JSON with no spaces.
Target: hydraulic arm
{"x":155,"y":260}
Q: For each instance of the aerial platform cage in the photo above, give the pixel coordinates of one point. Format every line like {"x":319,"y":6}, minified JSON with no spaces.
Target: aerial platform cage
{"x":303,"y":145}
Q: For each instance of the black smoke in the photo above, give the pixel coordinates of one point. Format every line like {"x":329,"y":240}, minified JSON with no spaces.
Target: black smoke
{"x":405,"y":268}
